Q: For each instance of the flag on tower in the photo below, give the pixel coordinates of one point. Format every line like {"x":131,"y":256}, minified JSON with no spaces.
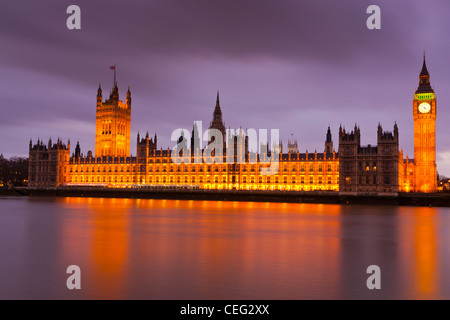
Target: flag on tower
{"x":114,"y":68}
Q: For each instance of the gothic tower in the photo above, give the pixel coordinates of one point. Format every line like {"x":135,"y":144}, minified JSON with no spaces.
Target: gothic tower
{"x":424,"y":114}
{"x":113,"y":125}
{"x":217,"y":122}
{"x":328,"y":142}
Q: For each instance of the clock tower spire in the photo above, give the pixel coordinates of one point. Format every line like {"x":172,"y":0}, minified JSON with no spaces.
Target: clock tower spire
{"x":424,"y":115}
{"x":424,"y":79}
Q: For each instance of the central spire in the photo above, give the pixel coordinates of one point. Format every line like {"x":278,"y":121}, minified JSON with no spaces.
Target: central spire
{"x":329,"y":135}
{"x":217,"y":117}
{"x":217,"y":122}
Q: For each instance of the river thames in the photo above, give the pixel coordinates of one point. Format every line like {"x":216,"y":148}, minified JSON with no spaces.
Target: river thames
{"x":173,"y":249}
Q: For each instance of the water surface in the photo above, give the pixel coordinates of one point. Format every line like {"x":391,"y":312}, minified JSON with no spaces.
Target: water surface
{"x":170,"y":249}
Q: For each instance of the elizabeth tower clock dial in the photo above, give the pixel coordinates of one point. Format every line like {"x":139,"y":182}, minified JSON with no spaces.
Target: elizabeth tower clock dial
{"x":424,"y":107}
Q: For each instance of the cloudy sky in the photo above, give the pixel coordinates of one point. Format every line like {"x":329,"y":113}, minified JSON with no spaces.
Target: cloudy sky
{"x":294,"y":65}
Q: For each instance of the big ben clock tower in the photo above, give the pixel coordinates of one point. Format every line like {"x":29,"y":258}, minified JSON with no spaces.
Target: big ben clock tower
{"x":424,"y":114}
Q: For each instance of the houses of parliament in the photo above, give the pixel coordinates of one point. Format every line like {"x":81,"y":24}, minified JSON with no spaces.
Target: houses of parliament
{"x":353,"y":169}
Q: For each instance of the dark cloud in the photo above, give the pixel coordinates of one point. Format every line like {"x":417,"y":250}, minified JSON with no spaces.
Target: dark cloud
{"x":295,"y":65}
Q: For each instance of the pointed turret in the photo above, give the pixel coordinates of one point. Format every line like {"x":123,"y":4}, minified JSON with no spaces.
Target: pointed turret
{"x":99,"y":91}
{"x":217,"y":111}
{"x":115,"y":93}
{"x":329,"y":135}
{"x":77,"y":150}
{"x":128,"y":99}
{"x":328,"y":142}
{"x":99,"y":96}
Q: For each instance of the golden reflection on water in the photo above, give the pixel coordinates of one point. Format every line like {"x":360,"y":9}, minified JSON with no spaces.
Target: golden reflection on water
{"x":244,"y":250}
{"x":110,"y":243}
{"x":108,"y":246}
{"x":419,"y":237}
{"x":220,"y":243}
{"x":425,"y":238}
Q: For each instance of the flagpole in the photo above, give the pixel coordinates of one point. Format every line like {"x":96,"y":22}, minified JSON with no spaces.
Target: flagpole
{"x":115,"y":68}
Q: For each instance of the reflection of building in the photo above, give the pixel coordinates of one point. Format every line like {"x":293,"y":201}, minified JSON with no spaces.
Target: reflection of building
{"x":356,"y":169}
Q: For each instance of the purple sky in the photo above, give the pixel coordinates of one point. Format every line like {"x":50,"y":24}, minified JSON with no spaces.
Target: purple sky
{"x":294,"y":65}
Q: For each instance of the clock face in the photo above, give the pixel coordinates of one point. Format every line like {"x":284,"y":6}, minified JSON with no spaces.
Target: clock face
{"x":424,"y":107}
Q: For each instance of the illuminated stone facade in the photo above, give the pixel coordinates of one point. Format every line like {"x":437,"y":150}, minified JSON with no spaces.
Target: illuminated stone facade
{"x":355,"y":169}
{"x":113,"y":125}
{"x":420,"y":174}
{"x":368,"y":169}
{"x":153,"y":167}
{"x":297,"y":172}
{"x":424,"y":114}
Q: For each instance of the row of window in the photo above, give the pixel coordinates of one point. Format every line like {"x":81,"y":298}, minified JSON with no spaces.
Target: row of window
{"x":368,"y":166}
{"x":107,"y":128}
{"x":197,"y":168}
{"x":215,"y":179}
{"x":370,"y":180}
